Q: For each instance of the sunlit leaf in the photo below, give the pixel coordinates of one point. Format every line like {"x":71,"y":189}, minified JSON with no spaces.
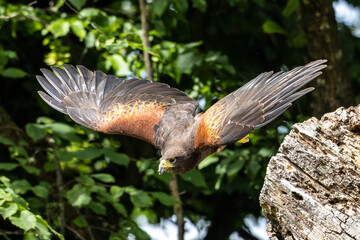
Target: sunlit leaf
{"x":271,"y":27}
{"x":78,"y":28}
{"x":119,"y":64}
{"x":10,"y":210}
{"x":26,"y":220}
{"x":43,"y":230}
{"x":104,"y":177}
{"x":78,"y":196}
{"x":60,"y":27}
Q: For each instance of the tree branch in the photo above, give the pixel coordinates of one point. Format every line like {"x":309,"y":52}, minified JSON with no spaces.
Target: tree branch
{"x":145,"y":39}
{"x":60,"y":187}
{"x":177,"y":207}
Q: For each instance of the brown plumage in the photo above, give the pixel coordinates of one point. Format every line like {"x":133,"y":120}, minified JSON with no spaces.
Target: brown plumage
{"x":165,"y":116}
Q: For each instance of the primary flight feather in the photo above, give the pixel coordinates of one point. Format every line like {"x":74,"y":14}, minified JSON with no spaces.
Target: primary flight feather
{"x":165,"y":116}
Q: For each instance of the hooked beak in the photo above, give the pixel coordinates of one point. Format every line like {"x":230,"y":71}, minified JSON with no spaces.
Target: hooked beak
{"x":164,"y":164}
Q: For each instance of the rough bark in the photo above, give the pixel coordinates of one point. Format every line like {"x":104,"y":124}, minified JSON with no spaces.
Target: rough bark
{"x":320,"y":27}
{"x":312,"y":185}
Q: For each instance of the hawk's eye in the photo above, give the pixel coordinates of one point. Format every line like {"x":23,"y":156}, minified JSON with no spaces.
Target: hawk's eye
{"x":172,"y":160}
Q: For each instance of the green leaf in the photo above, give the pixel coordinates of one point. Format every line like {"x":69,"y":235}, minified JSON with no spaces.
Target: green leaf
{"x":79,"y":30}
{"x":199,"y":4}
{"x":182,"y":5}
{"x":252,"y":168}
{"x":97,"y":208}
{"x":120,"y":209}
{"x":186,"y":61}
{"x":78,"y":196}
{"x":64,"y":131}
{"x":13,"y":73}
{"x":208,"y":161}
{"x":104,"y":177}
{"x":159,"y":6}
{"x":60,"y":27}
{"x":21,"y":186}
{"x":41,"y":224}
{"x":90,"y":40}
{"x":140,"y":199}
{"x":89,"y":153}
{"x":6,"y":141}
{"x":78,"y":4}
{"x":44,"y":230}
{"x":271,"y":27}
{"x":79,"y":221}
{"x":32,"y":170}
{"x":40,"y":191}
{"x":117,"y":158}
{"x":291,"y":6}
{"x":26,"y":220}
{"x":35,"y":131}
{"x":266,"y":152}
{"x":195,"y":177}
{"x":119,"y":64}
{"x":44,"y":120}
{"x":116,"y":192}
{"x":235,"y":167}
{"x":164,"y":198}
{"x":8,"y":166}
{"x":10,"y":210}
{"x":64,"y":155}
{"x":19,"y":151}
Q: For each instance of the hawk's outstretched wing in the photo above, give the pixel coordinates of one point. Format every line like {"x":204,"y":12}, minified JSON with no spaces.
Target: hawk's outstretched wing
{"x":108,"y":104}
{"x":254,"y":105}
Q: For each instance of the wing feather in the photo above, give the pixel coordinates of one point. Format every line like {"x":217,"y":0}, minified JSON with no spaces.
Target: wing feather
{"x":254,"y":105}
{"x":108,"y":104}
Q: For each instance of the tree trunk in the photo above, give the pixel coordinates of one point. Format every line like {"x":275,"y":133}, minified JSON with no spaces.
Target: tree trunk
{"x":319,"y":24}
{"x":312,"y":185}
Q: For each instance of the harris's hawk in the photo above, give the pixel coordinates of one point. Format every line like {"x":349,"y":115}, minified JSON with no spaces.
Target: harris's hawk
{"x":165,"y":116}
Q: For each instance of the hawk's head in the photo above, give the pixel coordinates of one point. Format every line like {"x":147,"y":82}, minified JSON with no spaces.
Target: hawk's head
{"x":177,"y":165}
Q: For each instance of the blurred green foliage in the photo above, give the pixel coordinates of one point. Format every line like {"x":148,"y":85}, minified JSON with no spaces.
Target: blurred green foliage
{"x":205,"y":48}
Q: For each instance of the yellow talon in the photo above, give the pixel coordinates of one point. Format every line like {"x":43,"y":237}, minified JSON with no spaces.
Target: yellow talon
{"x":244,"y":139}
